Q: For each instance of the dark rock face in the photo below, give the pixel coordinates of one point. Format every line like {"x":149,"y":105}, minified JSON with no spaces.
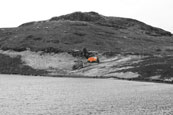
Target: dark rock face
{"x":79,"y":16}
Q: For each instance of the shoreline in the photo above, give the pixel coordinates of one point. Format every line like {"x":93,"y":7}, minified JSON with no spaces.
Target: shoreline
{"x":97,"y":77}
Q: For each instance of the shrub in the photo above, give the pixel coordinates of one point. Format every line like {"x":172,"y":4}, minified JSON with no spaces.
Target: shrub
{"x":9,"y":65}
{"x":78,"y":65}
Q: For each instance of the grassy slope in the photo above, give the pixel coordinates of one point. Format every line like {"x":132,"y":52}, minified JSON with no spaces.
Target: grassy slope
{"x":90,"y":30}
{"x":109,"y":35}
{"x":131,"y":67}
{"x":161,"y":67}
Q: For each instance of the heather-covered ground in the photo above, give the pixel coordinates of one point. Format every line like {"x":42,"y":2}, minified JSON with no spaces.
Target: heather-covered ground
{"x":130,"y":67}
{"x":14,"y":65}
{"x":90,"y":30}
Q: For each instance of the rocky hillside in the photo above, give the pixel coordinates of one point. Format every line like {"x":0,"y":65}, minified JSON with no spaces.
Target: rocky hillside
{"x":127,"y":48}
{"x":90,"y":30}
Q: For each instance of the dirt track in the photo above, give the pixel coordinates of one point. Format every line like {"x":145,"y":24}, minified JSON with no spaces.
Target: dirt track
{"x":29,"y":95}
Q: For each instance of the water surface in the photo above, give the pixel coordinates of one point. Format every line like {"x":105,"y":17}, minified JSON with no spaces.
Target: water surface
{"x":29,"y":95}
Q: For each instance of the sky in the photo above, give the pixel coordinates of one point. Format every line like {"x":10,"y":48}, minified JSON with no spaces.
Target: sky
{"x":157,"y":13}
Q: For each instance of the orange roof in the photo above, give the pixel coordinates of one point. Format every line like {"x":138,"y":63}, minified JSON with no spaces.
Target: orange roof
{"x":92,"y":59}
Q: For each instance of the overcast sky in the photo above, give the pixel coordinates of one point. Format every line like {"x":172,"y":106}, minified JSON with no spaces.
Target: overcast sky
{"x":153,"y":12}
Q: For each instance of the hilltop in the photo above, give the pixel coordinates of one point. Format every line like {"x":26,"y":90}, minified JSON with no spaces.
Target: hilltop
{"x":90,"y":30}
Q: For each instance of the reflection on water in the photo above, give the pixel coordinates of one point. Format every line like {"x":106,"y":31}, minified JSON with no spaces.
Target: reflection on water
{"x":27,"y":95}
